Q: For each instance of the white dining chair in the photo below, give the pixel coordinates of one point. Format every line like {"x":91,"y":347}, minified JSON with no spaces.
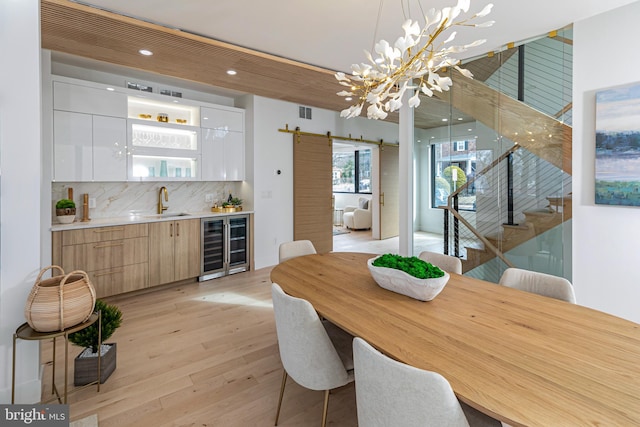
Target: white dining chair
{"x":391,"y":393}
{"x":539,"y":283}
{"x":447,"y":263}
{"x":316,"y":354}
{"x":295,"y":248}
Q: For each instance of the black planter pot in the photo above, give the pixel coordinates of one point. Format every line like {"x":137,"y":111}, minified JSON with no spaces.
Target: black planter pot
{"x":86,"y":368}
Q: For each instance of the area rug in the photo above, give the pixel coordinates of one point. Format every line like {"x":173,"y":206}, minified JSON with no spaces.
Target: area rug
{"x":337,"y":232}
{"x":90,"y":421}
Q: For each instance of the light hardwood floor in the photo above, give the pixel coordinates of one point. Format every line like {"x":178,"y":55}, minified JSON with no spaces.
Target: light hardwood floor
{"x":201,"y":354}
{"x":206,"y":354}
{"x":361,"y":241}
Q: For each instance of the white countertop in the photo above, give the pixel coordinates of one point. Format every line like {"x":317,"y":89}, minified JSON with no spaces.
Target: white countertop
{"x":142,"y":218}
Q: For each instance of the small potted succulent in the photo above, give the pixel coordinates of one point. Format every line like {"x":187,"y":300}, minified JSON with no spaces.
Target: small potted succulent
{"x":86,"y":363}
{"x":66,"y":211}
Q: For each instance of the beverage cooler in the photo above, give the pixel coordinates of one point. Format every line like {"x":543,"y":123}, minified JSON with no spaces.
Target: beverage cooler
{"x":225,"y":246}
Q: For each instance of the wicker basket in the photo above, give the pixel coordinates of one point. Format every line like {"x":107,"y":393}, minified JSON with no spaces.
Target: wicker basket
{"x":60,"y":302}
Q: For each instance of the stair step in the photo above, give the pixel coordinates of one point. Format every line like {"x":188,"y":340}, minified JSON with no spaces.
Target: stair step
{"x":521,"y":226}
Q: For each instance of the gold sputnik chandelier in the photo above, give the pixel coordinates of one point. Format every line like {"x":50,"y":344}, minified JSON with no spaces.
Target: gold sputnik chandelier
{"x":413,"y":61}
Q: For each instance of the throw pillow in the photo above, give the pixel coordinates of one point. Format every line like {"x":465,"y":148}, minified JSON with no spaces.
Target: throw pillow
{"x":364,"y":203}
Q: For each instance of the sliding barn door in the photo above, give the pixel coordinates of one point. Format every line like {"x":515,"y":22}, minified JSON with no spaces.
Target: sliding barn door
{"x":389,"y":195}
{"x":312,"y":191}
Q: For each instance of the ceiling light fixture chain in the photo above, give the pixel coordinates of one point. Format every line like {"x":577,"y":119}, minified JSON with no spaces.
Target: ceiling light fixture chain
{"x":413,"y":62}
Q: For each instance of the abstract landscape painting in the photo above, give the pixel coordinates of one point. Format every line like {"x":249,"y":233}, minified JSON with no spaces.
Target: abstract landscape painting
{"x":618,"y":146}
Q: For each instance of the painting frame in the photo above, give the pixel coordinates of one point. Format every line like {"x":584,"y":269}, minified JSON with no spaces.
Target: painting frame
{"x":617,"y":146}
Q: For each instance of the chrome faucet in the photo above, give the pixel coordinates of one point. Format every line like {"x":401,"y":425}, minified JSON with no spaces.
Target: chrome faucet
{"x":162,"y":208}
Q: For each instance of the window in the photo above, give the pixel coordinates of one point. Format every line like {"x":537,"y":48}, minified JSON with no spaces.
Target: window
{"x":351,"y":169}
{"x":453,"y":164}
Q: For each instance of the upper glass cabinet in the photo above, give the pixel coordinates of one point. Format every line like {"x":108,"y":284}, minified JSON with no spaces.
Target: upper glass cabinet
{"x":163,"y":112}
{"x":143,"y":135}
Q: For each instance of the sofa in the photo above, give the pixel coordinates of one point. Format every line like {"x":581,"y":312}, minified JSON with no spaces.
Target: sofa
{"x":358,"y":217}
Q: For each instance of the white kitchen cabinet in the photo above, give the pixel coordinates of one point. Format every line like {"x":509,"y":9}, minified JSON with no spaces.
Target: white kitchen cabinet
{"x":91,"y":100}
{"x":223,"y":154}
{"x":222,"y":118}
{"x":109,"y":149}
{"x":115,"y":135}
{"x":72,"y":147}
{"x":88,"y":147}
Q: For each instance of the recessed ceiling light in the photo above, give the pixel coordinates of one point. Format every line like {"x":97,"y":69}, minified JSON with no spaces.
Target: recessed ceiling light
{"x":145,"y":52}
{"x":445,"y":120}
{"x":348,"y":98}
{"x":460,"y":118}
{"x":110,"y":89}
{"x":232,"y":72}
{"x":469,"y":130}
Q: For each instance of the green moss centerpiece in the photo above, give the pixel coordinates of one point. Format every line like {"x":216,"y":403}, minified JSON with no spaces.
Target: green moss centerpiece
{"x":408,"y":276}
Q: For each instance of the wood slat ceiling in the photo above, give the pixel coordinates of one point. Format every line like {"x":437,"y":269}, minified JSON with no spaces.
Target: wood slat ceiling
{"x":104,"y":36}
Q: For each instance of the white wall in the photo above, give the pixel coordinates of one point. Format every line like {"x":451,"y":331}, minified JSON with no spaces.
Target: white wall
{"x":20,"y":165}
{"x":606,"y":239}
{"x":273,"y":150}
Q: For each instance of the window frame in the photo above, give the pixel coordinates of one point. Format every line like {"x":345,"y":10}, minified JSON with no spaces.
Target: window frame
{"x":356,"y":172}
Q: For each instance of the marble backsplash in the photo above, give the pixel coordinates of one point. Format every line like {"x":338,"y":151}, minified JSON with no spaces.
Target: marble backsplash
{"x":118,"y":199}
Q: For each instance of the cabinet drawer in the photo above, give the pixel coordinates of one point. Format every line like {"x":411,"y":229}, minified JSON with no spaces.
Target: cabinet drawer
{"x":117,"y":280}
{"x":102,"y":255}
{"x":103,"y":234}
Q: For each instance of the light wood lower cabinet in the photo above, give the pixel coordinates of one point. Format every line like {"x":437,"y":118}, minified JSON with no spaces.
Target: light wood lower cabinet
{"x":115,"y":258}
{"x":118,"y":280}
{"x":127,"y":258}
{"x":174,"y":251}
{"x":106,"y":254}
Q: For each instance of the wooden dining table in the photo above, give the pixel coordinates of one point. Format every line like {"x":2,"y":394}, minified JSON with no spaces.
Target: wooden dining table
{"x":522,"y":358}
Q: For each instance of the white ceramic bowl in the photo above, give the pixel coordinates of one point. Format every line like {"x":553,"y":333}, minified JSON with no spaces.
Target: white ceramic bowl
{"x":66,"y":219}
{"x":400,"y":282}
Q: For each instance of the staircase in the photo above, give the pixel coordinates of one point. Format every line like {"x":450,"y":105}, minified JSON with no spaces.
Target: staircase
{"x":519,"y":239}
{"x":525,"y":195}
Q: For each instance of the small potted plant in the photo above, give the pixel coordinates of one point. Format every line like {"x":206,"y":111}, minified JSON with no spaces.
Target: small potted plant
{"x":86,"y":363}
{"x":410,"y":276}
{"x":232,"y":205}
{"x":66,"y":211}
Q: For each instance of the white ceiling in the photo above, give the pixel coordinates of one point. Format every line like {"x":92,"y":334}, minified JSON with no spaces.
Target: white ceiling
{"x":333,"y":33}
